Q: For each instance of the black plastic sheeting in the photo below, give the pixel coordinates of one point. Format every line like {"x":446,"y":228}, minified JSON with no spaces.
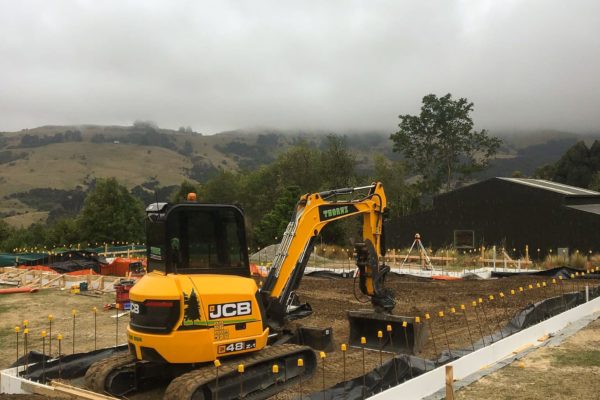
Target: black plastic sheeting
{"x":393,"y":372}
{"x":331,"y":274}
{"x":565,"y":272}
{"x":404,"y":367}
{"x":350,"y":274}
{"x":70,"y":366}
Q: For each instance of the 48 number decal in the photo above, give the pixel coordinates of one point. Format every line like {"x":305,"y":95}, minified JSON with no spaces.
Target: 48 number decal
{"x":236,"y":346}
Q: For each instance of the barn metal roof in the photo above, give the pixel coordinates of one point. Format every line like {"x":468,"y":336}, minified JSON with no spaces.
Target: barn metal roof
{"x":591,"y":208}
{"x":553,"y":186}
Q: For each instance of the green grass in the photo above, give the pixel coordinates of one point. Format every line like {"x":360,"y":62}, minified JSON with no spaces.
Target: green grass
{"x":573,"y":358}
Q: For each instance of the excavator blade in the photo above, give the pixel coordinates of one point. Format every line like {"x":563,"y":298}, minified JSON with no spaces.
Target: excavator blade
{"x":407,"y":339}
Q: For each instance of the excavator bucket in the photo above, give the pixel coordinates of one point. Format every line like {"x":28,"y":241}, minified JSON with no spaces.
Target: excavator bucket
{"x":408,"y":339}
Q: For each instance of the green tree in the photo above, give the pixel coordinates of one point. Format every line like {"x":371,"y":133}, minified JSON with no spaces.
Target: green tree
{"x":545,"y":172}
{"x":595,"y":182}
{"x":224,"y":188}
{"x":65,"y":230}
{"x":338,"y":163}
{"x":402,"y":198}
{"x":186,"y":187}
{"x":575,"y":166}
{"x":275,"y":221}
{"x":300,"y":166}
{"x":440,"y":143}
{"x":110,"y":213}
{"x":5,"y":233}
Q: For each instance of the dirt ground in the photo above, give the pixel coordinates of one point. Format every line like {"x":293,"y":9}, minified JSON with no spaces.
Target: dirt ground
{"x":329,"y":298}
{"x":567,"y":371}
{"x":35,"y":307}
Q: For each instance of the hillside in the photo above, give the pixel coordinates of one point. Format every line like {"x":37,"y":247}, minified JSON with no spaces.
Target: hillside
{"x":48,"y":169}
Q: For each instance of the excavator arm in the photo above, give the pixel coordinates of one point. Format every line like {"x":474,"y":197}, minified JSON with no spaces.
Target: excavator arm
{"x":312,"y":213}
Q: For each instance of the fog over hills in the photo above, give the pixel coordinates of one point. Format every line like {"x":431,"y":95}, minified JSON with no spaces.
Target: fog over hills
{"x":311,"y":65}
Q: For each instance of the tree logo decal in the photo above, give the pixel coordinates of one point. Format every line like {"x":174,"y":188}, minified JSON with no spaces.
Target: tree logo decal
{"x":191,"y":315}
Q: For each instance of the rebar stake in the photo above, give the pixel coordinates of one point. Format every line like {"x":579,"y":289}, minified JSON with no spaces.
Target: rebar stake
{"x":545,"y":289}
{"x":487,"y":321}
{"x":380,"y":338}
{"x":300,"y":367}
{"x":323,"y":356}
{"x":441,"y":315}
{"x":17,"y":330}
{"x":43,"y":356}
{"x":117,"y":326}
{"x":405,"y":326}
{"x":418,"y":322}
{"x":463,"y":308}
{"x":562,"y":292}
{"x":388,"y":328}
{"x":427,"y":318}
{"x":474,"y":304}
{"x":556,"y":292}
{"x":241,"y":372}
{"x":95,"y":310}
{"x":363,"y":341}
{"x":50,"y":318}
{"x":497,"y":317}
{"x":343,"y":347}
{"x":217,"y":364}
{"x":59,"y":337}
{"x":25,"y":336}
{"x":74,"y":313}
{"x":275,"y":370}
{"x":505,"y":307}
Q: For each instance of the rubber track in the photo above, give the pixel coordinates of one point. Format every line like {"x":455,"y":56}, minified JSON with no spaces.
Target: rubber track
{"x":184,"y":386}
{"x":97,"y":373}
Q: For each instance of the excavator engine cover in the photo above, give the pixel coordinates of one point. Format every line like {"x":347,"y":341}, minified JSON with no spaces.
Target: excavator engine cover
{"x":407,"y":339}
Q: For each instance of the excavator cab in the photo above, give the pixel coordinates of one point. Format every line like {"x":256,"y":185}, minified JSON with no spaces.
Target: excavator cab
{"x":194,"y":238}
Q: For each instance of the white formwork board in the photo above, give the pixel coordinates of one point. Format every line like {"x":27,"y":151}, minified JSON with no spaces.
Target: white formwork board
{"x":11,"y":383}
{"x":432,"y":381}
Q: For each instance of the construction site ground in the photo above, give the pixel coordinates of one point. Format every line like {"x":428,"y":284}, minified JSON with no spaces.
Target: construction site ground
{"x":330,"y":300}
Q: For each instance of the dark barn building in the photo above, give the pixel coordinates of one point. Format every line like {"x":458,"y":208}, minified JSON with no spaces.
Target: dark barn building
{"x":509,"y":212}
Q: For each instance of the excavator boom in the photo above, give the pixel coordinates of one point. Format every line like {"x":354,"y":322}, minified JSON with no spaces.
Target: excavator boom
{"x":312,"y":213}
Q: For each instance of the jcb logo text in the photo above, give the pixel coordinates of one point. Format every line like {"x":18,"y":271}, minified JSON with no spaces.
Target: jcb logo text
{"x":227,"y":310}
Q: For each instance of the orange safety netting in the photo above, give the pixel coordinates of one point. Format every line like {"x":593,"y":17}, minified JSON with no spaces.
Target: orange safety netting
{"x":119,"y":266}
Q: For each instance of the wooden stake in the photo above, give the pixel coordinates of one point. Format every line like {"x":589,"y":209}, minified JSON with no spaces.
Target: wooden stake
{"x":449,"y":382}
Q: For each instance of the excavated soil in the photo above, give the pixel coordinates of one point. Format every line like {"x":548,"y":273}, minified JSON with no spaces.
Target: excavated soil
{"x":330,"y":300}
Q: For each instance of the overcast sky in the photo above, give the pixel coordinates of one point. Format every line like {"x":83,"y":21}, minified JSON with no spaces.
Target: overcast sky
{"x":323,"y":65}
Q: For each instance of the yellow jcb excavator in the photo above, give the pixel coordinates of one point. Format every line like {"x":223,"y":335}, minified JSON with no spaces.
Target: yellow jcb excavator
{"x":198,"y":302}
